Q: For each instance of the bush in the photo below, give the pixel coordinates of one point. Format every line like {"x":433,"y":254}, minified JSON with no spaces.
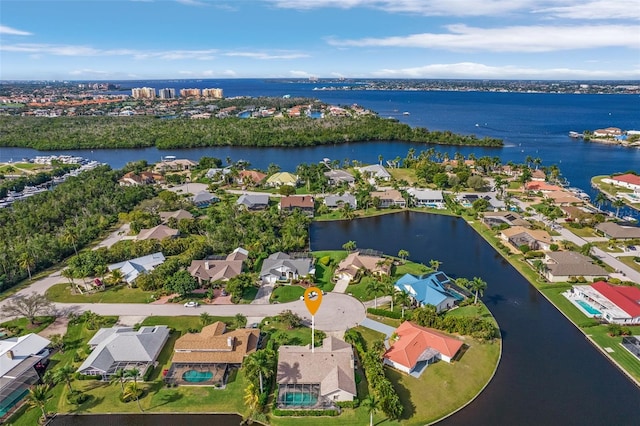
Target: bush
{"x":534,"y":254}
{"x":385,"y":313}
{"x":88,"y":376}
{"x":148,"y":373}
{"x":77,"y":397}
{"x":349,"y":404}
{"x":325,"y":260}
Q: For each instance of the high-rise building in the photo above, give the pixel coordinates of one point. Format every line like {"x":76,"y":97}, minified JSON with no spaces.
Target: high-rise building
{"x":189,"y":93}
{"x":143,"y":93}
{"x":212,"y":93}
{"x":167,"y":93}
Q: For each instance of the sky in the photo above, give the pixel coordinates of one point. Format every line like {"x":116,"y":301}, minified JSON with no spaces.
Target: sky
{"x":447,"y":39}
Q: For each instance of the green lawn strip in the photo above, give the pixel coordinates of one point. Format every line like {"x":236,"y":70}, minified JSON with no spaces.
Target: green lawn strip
{"x":287,"y":293}
{"x":120,"y":294}
{"x":21,"y":326}
{"x":628,"y":361}
{"x":299,"y":336}
{"x":554,"y":293}
{"x":479,"y":310}
{"x":628,"y":260}
{"x":248,"y":295}
{"x":410,"y":268}
{"x":585,"y":232}
{"x":183,"y":323}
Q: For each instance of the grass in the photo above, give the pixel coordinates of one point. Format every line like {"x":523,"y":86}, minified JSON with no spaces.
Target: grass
{"x":628,"y":260}
{"x":248,"y":295}
{"x":119,"y":294}
{"x":585,"y":232}
{"x":628,"y":361}
{"x":22,"y":326}
{"x":287,"y":293}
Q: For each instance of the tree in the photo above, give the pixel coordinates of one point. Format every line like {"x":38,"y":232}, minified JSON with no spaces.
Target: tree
{"x":375,"y":288}
{"x":371,"y":404}
{"x":131,"y":391}
{"x":476,"y":182}
{"x":403,"y":254}
{"x":205,"y":319}
{"x":403,"y":299}
{"x":38,"y":398}
{"x":26,"y":261}
{"x":618,"y":204}
{"x":70,"y":237}
{"x":251,"y":399}
{"x":29,"y":307}
{"x":586,"y":249}
{"x":182,"y":283}
{"x":260,"y":364}
{"x":290,"y":319}
{"x":286,"y":190}
{"x":434,"y":264}
{"x":240,"y":320}
{"x":478,"y":286}
{"x":57,"y":342}
{"x":132,"y":373}
{"x":601,"y":199}
{"x":68,"y":274}
{"x":118,"y":377}
{"x":349,"y":245}
{"x":64,"y":375}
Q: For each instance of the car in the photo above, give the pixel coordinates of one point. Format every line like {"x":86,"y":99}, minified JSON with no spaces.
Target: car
{"x":191,"y":304}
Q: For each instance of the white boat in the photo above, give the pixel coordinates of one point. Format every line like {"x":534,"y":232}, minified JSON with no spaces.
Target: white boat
{"x":405,"y":113}
{"x":575,"y":135}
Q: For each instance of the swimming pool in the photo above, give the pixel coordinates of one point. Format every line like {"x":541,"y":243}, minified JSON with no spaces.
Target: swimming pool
{"x":587,"y":307}
{"x":300,"y":399}
{"x":195,"y":376}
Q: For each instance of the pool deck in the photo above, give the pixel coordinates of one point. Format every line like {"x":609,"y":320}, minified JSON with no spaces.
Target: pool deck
{"x":575,"y":303}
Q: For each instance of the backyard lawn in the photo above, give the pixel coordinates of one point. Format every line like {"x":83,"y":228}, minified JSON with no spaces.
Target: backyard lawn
{"x":287,"y":293}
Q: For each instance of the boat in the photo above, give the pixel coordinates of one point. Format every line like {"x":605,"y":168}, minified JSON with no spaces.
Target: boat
{"x":405,"y":113}
{"x":630,"y":219}
{"x":575,"y":135}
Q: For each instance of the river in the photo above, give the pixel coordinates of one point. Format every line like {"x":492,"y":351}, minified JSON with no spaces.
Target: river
{"x":549,"y":373}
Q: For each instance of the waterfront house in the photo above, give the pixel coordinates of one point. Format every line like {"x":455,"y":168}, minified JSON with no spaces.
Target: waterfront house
{"x":435,"y":289}
{"x":205,"y":358}
{"x":144,"y":178}
{"x":219,"y":269}
{"x":304,"y":203}
{"x":282,"y":178}
{"x":178,"y":215}
{"x":253,"y":201}
{"x":284,"y":267}
{"x":356,"y":263}
{"x":204,"y":199}
{"x":337,"y":177}
{"x":250,"y":177}
{"x":499,"y":218}
{"x":131,"y":269}
{"x":159,"y":233}
{"x":375,"y":171}
{"x":577,"y":213}
{"x":416,"y":347}
{"x":563,"y":198}
{"x":123,"y":348}
{"x":325,"y":375}
{"x":614,"y":303}
{"x":389,"y":198}
{"x":538,"y":175}
{"x":466,"y":199}
{"x":218,"y":173}
{"x":609,"y":132}
{"x":334,"y":201}
{"x":173,"y":165}
{"x":542,"y":187}
{"x":427,"y":198}
{"x":627,"y":180}
{"x":564,"y":265}
{"x":615,"y":231}
{"x":22,"y":360}
{"x":535,"y":239}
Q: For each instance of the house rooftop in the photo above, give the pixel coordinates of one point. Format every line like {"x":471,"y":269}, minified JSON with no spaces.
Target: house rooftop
{"x":414,"y":340}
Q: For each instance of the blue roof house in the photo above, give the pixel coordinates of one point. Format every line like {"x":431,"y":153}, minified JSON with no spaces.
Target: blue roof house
{"x":429,"y":290}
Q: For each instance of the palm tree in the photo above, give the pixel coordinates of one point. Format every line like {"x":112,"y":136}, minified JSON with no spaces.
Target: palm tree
{"x":586,"y":249}
{"x":403,"y":299}
{"x":601,"y":199}
{"x":64,"y":375}
{"x":479,"y":286}
{"x":118,"y":376}
{"x":239,"y":320}
{"x":618,"y":203}
{"x":260,"y":363}
{"x":434,"y":264}
{"x":68,"y":274}
{"x":26,"y":261}
{"x":132,"y":373}
{"x":251,"y":399}
{"x":132,"y":390}
{"x":371,"y":404}
{"x":349,"y":245}
{"x":403,"y":254}
{"x":375,"y":287}
{"x":38,"y":398}
{"x":116,"y":277}
{"x":70,"y":237}
{"x":205,"y":319}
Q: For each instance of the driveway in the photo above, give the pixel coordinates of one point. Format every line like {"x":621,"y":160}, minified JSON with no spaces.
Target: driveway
{"x":341,"y":286}
{"x":385,"y":329}
{"x":264,"y":294}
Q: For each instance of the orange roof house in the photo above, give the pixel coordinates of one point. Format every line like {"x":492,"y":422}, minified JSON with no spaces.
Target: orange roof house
{"x":417,"y":347}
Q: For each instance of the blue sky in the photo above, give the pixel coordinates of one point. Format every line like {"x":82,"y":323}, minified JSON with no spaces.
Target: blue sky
{"x":484,"y":39}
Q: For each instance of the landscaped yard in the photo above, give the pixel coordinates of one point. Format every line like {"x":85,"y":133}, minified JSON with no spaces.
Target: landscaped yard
{"x":628,"y":260}
{"x":21,"y":326}
{"x":287,"y":293}
{"x":119,"y":294}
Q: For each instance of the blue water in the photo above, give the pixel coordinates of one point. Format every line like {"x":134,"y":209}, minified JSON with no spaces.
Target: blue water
{"x":587,"y":307}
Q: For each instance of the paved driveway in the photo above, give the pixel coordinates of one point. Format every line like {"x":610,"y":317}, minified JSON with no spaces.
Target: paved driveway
{"x":385,"y":329}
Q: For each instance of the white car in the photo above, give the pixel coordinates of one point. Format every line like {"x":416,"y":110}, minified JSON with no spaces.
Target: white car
{"x":191,"y":304}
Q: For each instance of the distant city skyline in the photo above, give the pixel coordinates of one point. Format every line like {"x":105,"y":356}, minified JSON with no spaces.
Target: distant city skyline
{"x":455,"y":39}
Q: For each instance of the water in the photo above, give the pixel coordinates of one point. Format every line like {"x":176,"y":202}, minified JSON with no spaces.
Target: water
{"x":587,"y":307}
{"x":548,"y":368}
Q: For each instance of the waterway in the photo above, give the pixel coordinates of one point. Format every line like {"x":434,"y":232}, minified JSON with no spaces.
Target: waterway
{"x":549,"y":373}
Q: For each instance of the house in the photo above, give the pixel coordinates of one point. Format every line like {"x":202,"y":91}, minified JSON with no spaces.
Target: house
{"x":144,"y":178}
{"x":416,"y":347}
{"x":535,"y":239}
{"x":22,"y":360}
{"x":541,"y":186}
{"x":337,"y":177}
{"x":499,"y":218}
{"x":213,"y":350}
{"x":282,"y":178}
{"x":577,"y":213}
{"x":174,"y":165}
{"x":159,"y":232}
{"x":564,"y":265}
{"x":334,"y":201}
{"x":123,"y":348}
{"x":375,"y":171}
{"x":538,"y":175}
{"x":325,"y":374}
{"x":218,"y":173}
{"x":435,"y":289}
{"x":253,"y":201}
{"x":563,"y":198}
{"x":356,"y":262}
{"x":283,"y":267}
{"x":613,"y":303}
{"x":389,"y":198}
{"x":427,"y":198}
{"x":466,"y":199}
{"x":204,"y":199}
{"x":250,"y":177}
{"x":131,"y":269}
{"x":304,"y":203}
{"x":627,"y":180}
{"x":615,"y":231}
{"x":608,"y":132}
{"x":178,"y":215}
{"x":219,"y":269}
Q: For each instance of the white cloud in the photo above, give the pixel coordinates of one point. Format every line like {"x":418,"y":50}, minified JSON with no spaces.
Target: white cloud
{"x":266,"y":56}
{"x":599,"y":9}
{"x":510,"y":39}
{"x":476,"y":70}
{"x":13,"y":31}
{"x":88,"y":71}
{"x":299,"y":74}
{"x":192,"y":3}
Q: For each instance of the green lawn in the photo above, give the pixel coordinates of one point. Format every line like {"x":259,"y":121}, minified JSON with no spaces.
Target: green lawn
{"x":628,"y":260}
{"x":629,"y":362}
{"x":585,"y":232}
{"x":248,"y":295}
{"x":287,"y":293}
{"x":21,"y":326}
{"x":120,"y":294}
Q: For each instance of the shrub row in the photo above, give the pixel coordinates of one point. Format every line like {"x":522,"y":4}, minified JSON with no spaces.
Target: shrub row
{"x":304,"y":413}
{"x":385,"y":313}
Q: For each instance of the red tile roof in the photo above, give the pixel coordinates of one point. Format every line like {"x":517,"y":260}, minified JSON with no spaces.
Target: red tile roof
{"x":541,"y":186}
{"x":628,"y":178}
{"x":626,"y":298}
{"x":414,"y":339}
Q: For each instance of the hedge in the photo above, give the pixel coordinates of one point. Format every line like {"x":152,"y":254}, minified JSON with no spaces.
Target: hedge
{"x":385,"y":313}
{"x":349,"y":404}
{"x":305,"y":413}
